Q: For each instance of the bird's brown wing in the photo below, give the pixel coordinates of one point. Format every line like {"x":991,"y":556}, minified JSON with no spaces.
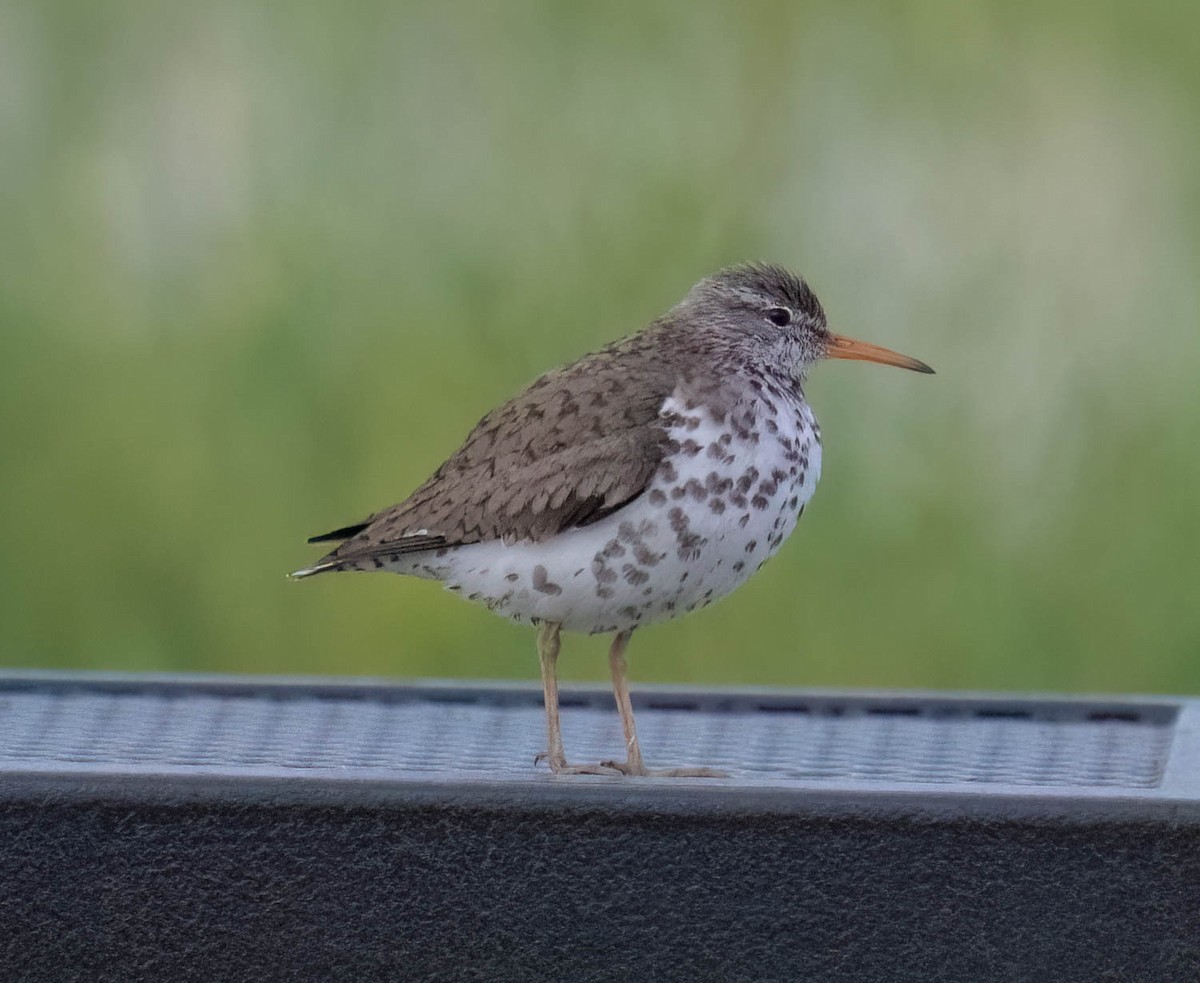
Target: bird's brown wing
{"x":575,"y":446}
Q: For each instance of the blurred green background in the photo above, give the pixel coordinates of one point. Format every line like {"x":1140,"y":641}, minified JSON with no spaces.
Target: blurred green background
{"x":263,"y":266}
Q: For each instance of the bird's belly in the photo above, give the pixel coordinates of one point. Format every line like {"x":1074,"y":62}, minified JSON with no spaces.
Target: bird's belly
{"x":712,"y":515}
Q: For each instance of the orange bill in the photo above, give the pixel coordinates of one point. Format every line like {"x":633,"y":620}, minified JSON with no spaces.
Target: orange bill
{"x":842,"y":347}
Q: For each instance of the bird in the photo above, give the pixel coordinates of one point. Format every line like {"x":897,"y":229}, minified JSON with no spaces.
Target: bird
{"x":634,"y":485}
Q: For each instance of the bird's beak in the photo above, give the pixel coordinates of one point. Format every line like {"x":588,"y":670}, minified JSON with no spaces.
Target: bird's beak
{"x":842,"y":347}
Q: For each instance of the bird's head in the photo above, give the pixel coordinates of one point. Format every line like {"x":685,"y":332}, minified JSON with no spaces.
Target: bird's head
{"x":770,"y":313}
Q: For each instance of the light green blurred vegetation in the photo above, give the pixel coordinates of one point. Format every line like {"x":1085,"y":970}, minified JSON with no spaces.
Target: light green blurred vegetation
{"x":262,"y":266}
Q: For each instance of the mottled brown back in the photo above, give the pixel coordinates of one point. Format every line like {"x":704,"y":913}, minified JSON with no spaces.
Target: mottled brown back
{"x":577,"y":444}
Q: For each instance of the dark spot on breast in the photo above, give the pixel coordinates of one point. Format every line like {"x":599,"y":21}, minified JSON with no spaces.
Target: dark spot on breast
{"x":613,"y":549}
{"x":712,"y":481}
{"x":752,"y":545}
{"x":759,"y":502}
{"x":696,"y":490}
{"x":688,"y":541}
{"x":739,"y":566}
{"x":634,"y":575}
{"x":690,"y":447}
{"x":512,"y":578}
{"x":646,"y":556}
{"x":717,"y":505}
{"x":602,"y":572}
{"x":543,"y":585}
{"x":747,"y":480}
{"x":667,"y":470}
{"x":656,"y":496}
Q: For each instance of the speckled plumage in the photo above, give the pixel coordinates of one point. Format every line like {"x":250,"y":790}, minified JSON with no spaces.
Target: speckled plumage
{"x":633,"y":485}
{"x":709,"y":516}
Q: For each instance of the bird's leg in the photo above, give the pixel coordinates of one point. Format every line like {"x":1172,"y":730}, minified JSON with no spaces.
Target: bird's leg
{"x":620,"y":680}
{"x":548,"y":646}
{"x":633,"y":764}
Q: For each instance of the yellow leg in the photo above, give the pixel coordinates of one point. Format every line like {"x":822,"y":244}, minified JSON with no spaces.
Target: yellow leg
{"x":548,"y":646}
{"x":620,"y":680}
{"x":633,"y":764}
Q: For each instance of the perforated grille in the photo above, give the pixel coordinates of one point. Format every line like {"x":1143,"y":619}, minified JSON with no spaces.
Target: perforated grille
{"x":498,"y":733}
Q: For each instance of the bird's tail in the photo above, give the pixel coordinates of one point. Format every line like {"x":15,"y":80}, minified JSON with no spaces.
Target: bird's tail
{"x":315,"y":569}
{"x":328,"y":563}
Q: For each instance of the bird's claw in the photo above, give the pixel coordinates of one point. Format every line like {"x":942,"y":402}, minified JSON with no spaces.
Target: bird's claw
{"x":641,"y":771}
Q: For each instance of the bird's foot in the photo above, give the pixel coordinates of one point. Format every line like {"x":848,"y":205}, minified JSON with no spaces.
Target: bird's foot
{"x":629,"y":769}
{"x":561,"y":767}
{"x":639,"y":770}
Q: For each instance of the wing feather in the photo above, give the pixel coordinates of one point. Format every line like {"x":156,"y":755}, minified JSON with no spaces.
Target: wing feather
{"x":578,"y":444}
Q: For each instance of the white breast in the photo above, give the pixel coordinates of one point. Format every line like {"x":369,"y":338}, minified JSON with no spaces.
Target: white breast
{"x":714,"y":512}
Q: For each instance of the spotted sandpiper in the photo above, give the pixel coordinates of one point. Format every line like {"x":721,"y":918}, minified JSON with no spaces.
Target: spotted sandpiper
{"x":634,"y":485}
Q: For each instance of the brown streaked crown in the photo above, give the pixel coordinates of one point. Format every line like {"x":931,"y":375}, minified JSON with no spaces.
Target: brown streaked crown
{"x":764,"y":280}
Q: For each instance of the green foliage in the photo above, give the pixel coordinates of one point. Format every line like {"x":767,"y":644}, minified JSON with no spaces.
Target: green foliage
{"x":262,"y":267}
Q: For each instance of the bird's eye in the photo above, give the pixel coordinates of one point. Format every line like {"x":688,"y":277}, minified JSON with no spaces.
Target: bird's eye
{"x":779,"y":316}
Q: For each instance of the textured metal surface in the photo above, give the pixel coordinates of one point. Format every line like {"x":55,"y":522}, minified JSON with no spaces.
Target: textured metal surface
{"x":220,"y":828}
{"x":495,"y":733}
